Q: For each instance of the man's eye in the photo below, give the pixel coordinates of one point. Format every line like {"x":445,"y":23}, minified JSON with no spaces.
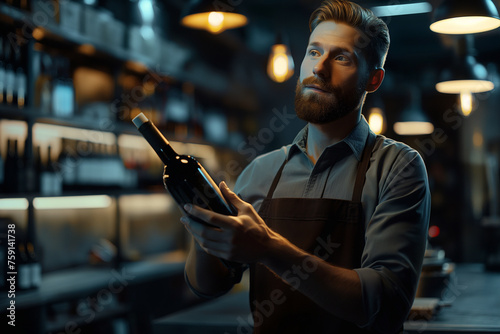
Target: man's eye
{"x":342,"y":58}
{"x":313,"y":53}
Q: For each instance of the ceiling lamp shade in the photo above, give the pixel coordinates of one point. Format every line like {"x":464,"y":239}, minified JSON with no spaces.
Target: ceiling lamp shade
{"x":465,"y":74}
{"x":413,"y":121}
{"x":213,"y":16}
{"x":465,"y":17}
{"x":280,"y":66}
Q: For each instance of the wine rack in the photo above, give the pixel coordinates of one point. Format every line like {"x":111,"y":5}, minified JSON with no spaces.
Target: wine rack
{"x":62,"y":141}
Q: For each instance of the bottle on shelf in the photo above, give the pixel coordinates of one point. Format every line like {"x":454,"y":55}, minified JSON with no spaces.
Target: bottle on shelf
{"x":10,"y":75}
{"x":35,"y":267}
{"x":26,"y":177}
{"x":38,"y":166}
{"x":67,"y":163}
{"x":2,"y":170}
{"x":63,"y":92}
{"x":42,"y":69}
{"x":20,"y":85}
{"x":3,"y":261}
{"x":50,"y":180}
{"x":2,"y":71}
{"x":23,"y":279}
{"x":13,"y":168}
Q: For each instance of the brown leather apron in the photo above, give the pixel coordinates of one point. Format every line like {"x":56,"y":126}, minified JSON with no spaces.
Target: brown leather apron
{"x":332,"y":229}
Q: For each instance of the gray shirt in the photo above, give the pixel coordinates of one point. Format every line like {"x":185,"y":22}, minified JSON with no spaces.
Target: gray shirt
{"x":396,"y":204}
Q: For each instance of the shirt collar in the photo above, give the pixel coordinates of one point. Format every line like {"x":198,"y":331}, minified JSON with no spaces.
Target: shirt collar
{"x":356,"y":140}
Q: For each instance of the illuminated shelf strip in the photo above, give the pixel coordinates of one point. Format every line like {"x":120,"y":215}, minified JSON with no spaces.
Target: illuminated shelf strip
{"x":72,"y":202}
{"x":12,"y":204}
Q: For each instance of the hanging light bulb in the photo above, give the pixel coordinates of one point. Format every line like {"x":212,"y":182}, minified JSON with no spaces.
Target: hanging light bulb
{"x":280,"y":66}
{"x":376,"y":120}
{"x":212,"y":16}
{"x":215,"y":22}
{"x":375,"y":114}
{"x":466,"y":103}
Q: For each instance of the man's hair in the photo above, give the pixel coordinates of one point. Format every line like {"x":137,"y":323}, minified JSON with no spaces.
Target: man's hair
{"x":375,"y":34}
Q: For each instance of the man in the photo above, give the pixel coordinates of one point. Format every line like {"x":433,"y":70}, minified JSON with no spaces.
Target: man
{"x":334,"y":225}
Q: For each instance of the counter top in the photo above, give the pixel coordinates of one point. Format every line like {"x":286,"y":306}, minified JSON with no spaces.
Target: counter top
{"x":472,"y":306}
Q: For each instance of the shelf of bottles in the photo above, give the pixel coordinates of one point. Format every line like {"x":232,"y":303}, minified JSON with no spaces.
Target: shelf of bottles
{"x":67,"y":97}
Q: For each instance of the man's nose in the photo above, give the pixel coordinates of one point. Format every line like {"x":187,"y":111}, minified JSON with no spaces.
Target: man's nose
{"x":321,"y":68}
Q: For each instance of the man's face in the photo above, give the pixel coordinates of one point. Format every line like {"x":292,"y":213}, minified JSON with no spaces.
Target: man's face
{"x":333,"y":74}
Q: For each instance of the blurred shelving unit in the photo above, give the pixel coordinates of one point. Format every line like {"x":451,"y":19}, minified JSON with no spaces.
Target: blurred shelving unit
{"x":70,"y":102}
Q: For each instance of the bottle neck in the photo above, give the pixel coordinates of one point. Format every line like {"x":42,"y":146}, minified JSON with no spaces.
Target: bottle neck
{"x":158,"y":142}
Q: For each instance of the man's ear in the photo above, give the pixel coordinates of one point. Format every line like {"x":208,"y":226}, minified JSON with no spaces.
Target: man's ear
{"x":375,"y":80}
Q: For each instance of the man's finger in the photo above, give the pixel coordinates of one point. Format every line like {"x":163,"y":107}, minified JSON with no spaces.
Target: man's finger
{"x":231,"y":196}
{"x":210,"y":217}
{"x":200,"y":230}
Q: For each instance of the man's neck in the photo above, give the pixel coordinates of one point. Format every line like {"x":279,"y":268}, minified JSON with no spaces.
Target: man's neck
{"x":320,"y":136}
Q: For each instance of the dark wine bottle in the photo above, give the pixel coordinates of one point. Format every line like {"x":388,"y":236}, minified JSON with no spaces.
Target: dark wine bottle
{"x":23,"y":280}
{"x":185,"y":178}
{"x":187,"y":181}
{"x":34,"y":264}
{"x":13,"y":168}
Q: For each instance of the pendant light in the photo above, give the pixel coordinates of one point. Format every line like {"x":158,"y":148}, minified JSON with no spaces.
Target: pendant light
{"x":213,"y":16}
{"x":465,"y":17}
{"x":280,"y":65}
{"x":412,"y":120}
{"x":465,"y":74}
{"x":375,"y":114}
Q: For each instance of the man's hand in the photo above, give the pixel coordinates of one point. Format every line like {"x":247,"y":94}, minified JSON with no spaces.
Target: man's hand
{"x":244,"y":238}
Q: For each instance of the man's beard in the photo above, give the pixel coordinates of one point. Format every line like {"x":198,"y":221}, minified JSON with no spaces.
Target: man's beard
{"x":321,"y":108}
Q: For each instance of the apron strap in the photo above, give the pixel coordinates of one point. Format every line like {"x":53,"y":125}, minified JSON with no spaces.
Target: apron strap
{"x":276,"y":180}
{"x":363,"y":167}
{"x":360,"y":176}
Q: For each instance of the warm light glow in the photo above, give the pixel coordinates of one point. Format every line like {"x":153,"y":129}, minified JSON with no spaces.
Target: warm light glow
{"x":404,"y":9}
{"x":12,"y":128}
{"x":413,"y":128}
{"x":38,"y":33}
{"x":13,"y":204}
{"x":466,"y":102}
{"x":136,"y":66}
{"x":72,"y":202}
{"x":376,"y":120}
{"x":214,"y":22}
{"x":465,"y":25}
{"x":458,"y":86}
{"x":87,"y":49}
{"x":477,"y":139}
{"x":280,"y":67}
{"x":137,"y":205}
{"x":46,"y":132}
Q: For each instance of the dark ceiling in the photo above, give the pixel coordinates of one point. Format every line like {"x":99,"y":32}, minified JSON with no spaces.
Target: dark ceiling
{"x":415,"y":49}
{"x":416,"y":57}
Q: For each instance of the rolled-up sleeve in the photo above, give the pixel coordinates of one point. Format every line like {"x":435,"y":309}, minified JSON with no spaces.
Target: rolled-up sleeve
{"x":395,"y":241}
